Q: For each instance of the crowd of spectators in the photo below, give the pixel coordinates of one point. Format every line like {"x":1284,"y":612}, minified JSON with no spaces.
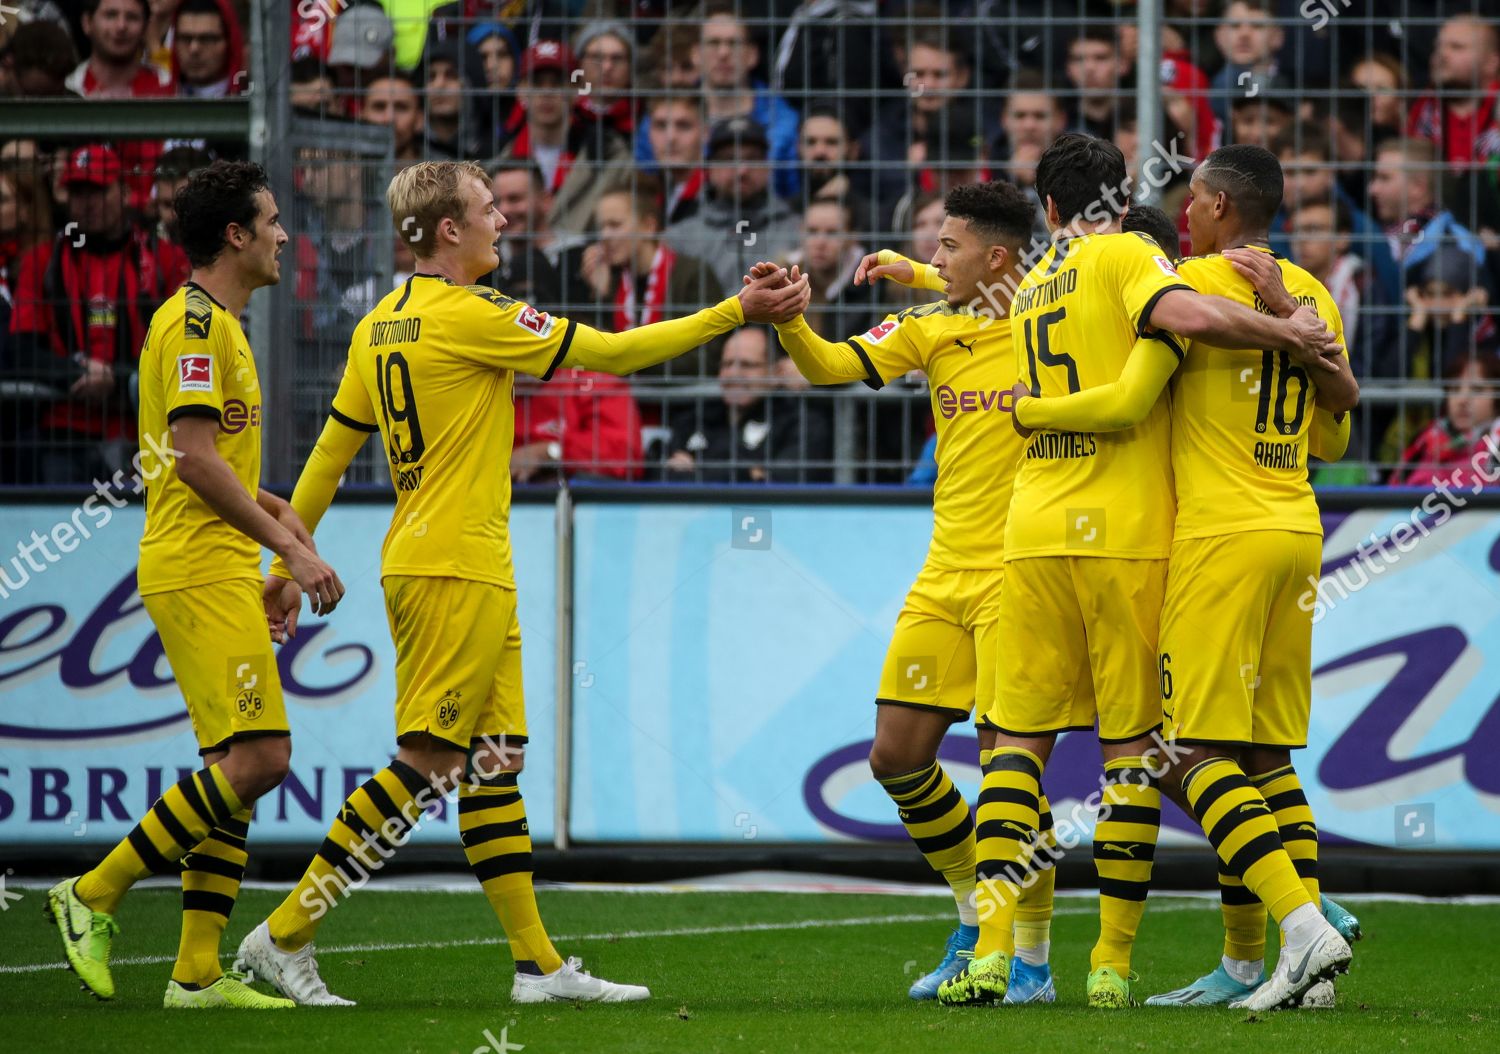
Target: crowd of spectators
{"x":646,"y":153}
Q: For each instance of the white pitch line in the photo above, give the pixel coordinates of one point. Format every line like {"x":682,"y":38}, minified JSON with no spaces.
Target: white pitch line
{"x":479,"y":942}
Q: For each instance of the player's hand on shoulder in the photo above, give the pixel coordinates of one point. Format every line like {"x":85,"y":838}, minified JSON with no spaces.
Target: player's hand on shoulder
{"x":1311,"y":342}
{"x":1019,"y":391}
{"x":1263,"y":272}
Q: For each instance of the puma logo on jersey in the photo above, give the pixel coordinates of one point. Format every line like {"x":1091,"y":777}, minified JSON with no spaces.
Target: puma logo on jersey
{"x":969,"y":347}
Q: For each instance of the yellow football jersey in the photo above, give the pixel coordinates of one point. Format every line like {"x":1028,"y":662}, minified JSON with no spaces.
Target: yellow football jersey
{"x":1241,"y":419}
{"x":1076,"y":316}
{"x":970,"y":369}
{"x":431,"y":368}
{"x":195,"y":362}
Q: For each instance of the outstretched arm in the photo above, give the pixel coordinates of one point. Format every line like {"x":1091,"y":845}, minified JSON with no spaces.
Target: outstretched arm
{"x":764,"y":300}
{"x":1223,"y":323}
{"x":1107,"y":407}
{"x":821,"y":361}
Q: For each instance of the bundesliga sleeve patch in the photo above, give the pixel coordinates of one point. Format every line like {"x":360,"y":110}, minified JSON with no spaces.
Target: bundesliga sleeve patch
{"x":878,"y":333}
{"x":195,"y":373}
{"x":538,"y":322}
{"x":1166,"y":266}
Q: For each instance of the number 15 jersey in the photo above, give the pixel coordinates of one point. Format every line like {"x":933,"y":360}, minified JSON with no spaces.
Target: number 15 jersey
{"x":431,"y":368}
{"x":1074,"y":320}
{"x":1240,"y":419}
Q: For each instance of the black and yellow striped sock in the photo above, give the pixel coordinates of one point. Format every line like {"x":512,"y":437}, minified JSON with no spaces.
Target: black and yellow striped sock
{"x":1299,"y":831}
{"x":937,"y":818}
{"x":492,"y":826}
{"x":1244,"y":919}
{"x":211,"y":876}
{"x":1008,"y":814}
{"x":1239,"y":823}
{"x":1033,"y":924}
{"x":180,"y":819}
{"x":1124,"y":848}
{"x":373,"y":822}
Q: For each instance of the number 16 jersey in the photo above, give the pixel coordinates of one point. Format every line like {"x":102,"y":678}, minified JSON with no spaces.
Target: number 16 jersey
{"x":432,"y":369}
{"x":1240,"y":419}
{"x":1074,"y":320}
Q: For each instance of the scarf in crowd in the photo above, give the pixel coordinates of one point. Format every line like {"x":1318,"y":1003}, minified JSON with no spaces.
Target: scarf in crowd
{"x":630,"y":313}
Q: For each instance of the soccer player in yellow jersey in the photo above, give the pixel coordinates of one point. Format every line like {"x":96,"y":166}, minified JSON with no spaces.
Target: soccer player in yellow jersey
{"x":431,"y":371}
{"x":199,"y":578}
{"x":944,"y":650}
{"x":1236,"y":688}
{"x":1085,"y":558}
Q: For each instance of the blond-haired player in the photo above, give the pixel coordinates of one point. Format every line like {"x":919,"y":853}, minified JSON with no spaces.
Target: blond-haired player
{"x":431,"y":371}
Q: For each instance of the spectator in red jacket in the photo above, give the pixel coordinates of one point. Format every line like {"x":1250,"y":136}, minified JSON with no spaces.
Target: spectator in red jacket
{"x":1462,"y":115}
{"x":208,"y":50}
{"x":116,"y":31}
{"x":83,"y":302}
{"x":579,"y":425}
{"x":1459,"y":448}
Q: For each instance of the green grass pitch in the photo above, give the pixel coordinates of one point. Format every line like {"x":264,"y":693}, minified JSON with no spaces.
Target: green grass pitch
{"x":736,"y":972}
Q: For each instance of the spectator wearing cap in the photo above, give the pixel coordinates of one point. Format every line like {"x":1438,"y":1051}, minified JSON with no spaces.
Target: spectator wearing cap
{"x":208,"y":50}
{"x":576,"y":157}
{"x":739,"y":222}
{"x":391,"y":100}
{"x":83,"y":303}
{"x":639,"y":279}
{"x":936,"y":68}
{"x":499,"y":115}
{"x":1264,"y":113}
{"x":679,"y":139}
{"x":604,"y":51}
{"x":1096,"y":71}
{"x":360,"y":49}
{"x":116,"y":32}
{"x":726,"y":55}
{"x":1248,"y":38}
{"x":1462,"y":115}
{"x":42,"y":58}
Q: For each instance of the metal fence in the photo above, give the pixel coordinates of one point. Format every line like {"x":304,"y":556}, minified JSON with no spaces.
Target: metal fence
{"x":646,"y":155}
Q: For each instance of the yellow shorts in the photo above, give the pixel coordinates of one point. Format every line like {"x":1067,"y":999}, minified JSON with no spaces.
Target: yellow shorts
{"x":1077,"y":629}
{"x":219,"y":647}
{"x":458,"y":659}
{"x":1236,"y":643}
{"x":942,"y":655}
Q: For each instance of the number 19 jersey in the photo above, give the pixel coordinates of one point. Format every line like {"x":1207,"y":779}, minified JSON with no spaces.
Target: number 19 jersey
{"x":1075,"y":319}
{"x":1240,"y":419}
{"x":431,"y":368}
